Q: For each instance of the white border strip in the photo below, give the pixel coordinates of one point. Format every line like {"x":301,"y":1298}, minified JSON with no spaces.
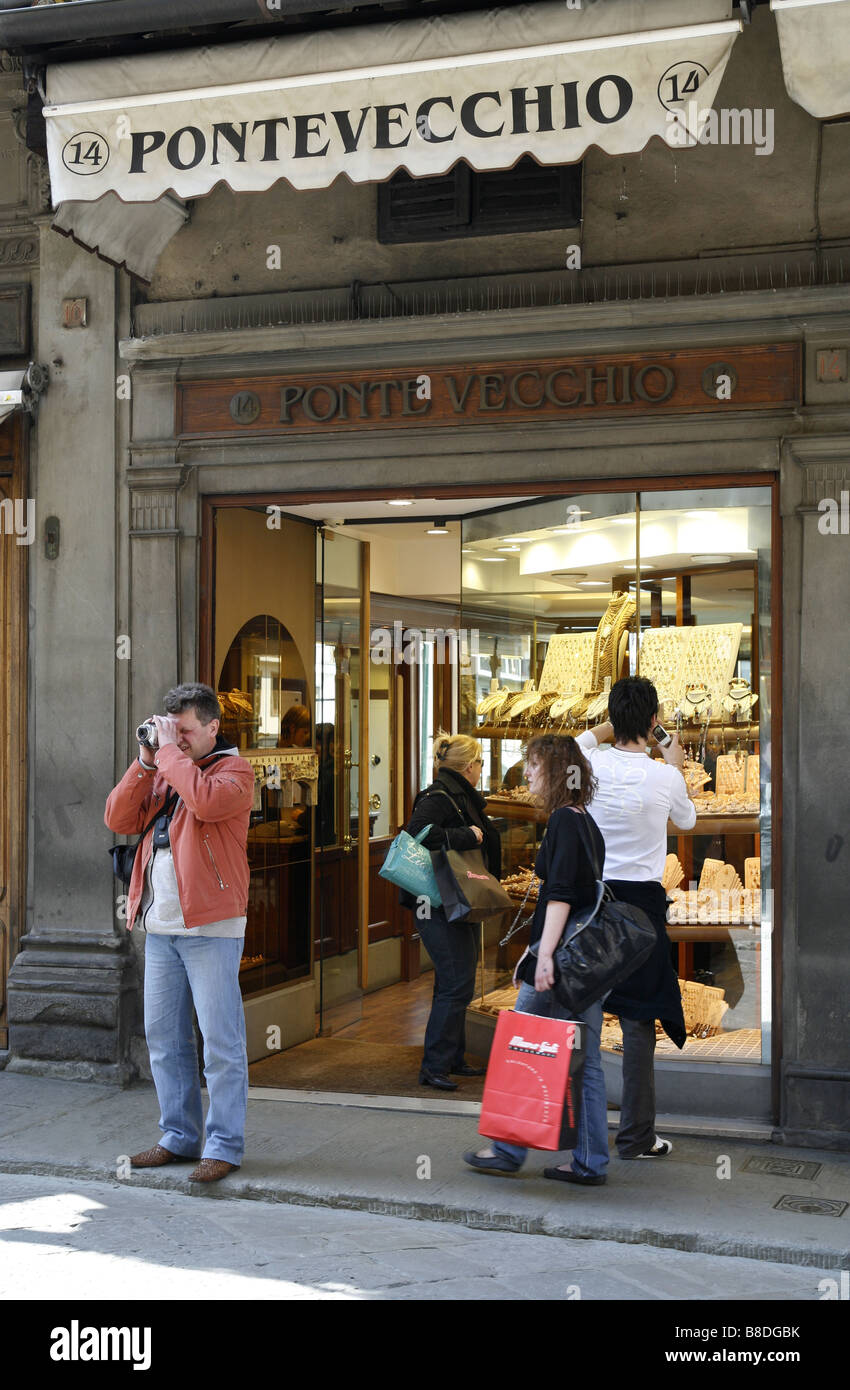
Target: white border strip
{"x":695,"y":1126}
{"x":419,"y":1105}
{"x":802,"y":4}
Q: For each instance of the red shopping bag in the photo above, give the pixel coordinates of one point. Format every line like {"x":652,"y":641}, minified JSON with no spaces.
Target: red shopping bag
{"x":533,"y":1087}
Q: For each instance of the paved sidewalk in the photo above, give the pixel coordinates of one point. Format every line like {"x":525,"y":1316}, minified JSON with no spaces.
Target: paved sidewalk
{"x":64,"y":1239}
{"x":408,"y":1164}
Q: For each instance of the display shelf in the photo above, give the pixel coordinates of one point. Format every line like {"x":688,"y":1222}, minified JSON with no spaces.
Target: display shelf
{"x":708,"y":931}
{"x":718,"y":825}
{"x":689,"y":732}
{"x":705,"y":825}
{"x":515,"y":810}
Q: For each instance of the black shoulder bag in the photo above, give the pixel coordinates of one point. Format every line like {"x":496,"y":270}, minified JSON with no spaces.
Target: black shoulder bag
{"x":602,"y":944}
{"x":124,"y":856}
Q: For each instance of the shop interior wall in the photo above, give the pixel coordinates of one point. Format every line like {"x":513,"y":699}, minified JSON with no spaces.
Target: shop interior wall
{"x":261,"y":570}
{"x":662,"y":204}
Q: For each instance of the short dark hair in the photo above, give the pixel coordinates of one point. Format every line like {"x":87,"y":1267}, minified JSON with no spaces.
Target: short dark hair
{"x":632,"y":708}
{"x":201,"y":698}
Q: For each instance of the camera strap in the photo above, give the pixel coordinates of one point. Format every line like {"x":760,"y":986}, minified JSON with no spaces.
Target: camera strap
{"x":167,"y":809}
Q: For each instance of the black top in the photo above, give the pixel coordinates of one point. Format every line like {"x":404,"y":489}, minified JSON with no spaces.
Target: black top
{"x":452,"y":815}
{"x":563,"y":865}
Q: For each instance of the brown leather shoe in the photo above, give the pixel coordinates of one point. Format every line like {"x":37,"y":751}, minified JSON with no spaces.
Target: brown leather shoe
{"x":211,"y":1169}
{"x":157,"y":1157}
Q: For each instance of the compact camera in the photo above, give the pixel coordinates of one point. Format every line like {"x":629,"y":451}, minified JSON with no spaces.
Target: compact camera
{"x":146,"y":734}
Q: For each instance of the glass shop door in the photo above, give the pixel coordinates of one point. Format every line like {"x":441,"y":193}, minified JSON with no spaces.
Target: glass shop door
{"x":342,"y":812}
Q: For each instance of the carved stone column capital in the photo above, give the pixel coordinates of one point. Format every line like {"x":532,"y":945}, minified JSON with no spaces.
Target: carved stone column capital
{"x":825,"y":464}
{"x":154,"y":499}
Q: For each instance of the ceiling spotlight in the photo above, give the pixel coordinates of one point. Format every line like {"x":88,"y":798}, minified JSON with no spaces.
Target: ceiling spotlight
{"x":400,"y":502}
{"x":438,"y":529}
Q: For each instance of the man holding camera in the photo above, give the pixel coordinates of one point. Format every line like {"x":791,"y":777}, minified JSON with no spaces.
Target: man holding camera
{"x":635,"y":797}
{"x":189,"y":889}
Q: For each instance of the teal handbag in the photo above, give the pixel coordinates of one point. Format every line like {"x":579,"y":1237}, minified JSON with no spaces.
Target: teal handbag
{"x":408,"y":865}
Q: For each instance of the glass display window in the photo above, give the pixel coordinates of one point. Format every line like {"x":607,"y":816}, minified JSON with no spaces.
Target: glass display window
{"x":562,"y":597}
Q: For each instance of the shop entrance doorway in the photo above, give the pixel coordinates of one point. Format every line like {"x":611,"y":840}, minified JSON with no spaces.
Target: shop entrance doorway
{"x":361,"y":634}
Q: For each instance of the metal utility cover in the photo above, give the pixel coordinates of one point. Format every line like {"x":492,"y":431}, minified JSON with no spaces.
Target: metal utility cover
{"x":783,"y":1167}
{"x":811,"y":1206}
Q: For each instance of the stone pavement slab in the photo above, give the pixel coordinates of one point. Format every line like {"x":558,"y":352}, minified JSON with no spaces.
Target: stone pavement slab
{"x":70,"y":1240}
{"x":409,"y":1164}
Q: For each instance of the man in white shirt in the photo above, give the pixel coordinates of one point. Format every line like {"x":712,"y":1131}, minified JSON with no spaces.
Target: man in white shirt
{"x":635,"y":797}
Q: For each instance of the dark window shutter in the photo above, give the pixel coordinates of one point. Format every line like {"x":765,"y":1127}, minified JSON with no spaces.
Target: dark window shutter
{"x":530,"y":197}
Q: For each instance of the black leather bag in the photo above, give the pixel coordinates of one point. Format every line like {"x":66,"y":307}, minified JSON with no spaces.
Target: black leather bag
{"x":124,"y":856}
{"x":602,"y":946}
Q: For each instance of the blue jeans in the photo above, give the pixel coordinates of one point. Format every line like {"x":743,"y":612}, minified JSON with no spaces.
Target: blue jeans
{"x":182,"y":971}
{"x":590,"y":1156}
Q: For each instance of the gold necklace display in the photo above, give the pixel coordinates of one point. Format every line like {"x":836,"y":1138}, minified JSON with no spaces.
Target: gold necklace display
{"x":608,"y":648}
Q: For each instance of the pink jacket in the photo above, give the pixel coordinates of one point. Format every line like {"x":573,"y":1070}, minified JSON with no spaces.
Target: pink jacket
{"x":209,"y":829}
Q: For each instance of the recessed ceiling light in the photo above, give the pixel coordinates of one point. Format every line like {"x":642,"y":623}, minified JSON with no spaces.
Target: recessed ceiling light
{"x":491,"y":559}
{"x":634,"y":567}
{"x":711,"y":559}
{"x":568,"y":574}
{"x":594,"y":583}
{"x":400,"y":502}
{"x":438,"y":529}
{"x":526,"y":539}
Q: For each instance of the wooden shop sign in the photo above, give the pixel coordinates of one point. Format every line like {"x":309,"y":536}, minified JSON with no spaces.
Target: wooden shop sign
{"x":552,"y":388}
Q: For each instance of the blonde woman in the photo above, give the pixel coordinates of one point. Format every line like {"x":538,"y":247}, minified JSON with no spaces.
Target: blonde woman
{"x":453,"y":805}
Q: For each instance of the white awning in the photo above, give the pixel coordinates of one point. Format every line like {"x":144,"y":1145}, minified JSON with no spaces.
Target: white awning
{"x":814,"y":37}
{"x":486,"y":87}
{"x":11,"y":393}
{"x":128,"y":234}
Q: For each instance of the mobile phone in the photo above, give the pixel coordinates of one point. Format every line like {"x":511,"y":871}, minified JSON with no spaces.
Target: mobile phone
{"x":661,"y":736}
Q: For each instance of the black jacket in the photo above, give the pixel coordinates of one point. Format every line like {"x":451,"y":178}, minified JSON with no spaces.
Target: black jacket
{"x":452,"y":816}
{"x":652,"y":991}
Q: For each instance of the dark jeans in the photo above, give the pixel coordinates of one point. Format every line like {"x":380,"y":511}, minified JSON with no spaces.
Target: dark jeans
{"x":453,"y":947}
{"x":637,"y":1109}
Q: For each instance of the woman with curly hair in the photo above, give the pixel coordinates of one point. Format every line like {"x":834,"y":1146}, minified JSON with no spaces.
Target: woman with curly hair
{"x":560,"y":775}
